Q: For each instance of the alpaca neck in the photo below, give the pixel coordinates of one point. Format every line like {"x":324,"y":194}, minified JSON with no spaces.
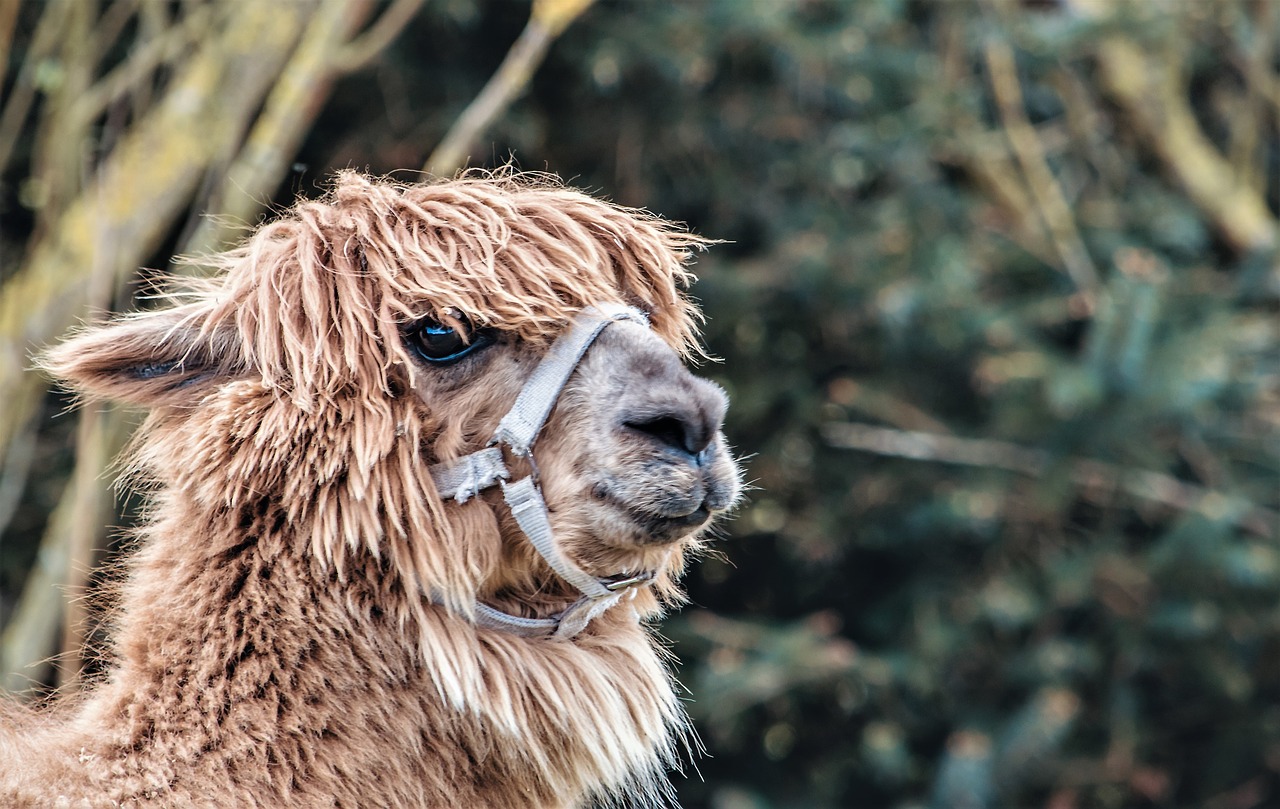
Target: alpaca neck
{"x":233,"y":634}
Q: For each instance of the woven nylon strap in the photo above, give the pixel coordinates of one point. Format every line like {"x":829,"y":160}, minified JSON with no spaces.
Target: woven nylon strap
{"x":520,"y":427}
{"x":530,"y":511}
{"x":463,"y":478}
{"x":565,"y":625}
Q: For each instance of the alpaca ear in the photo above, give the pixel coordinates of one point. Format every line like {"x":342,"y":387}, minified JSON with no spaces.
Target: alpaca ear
{"x":150,"y":359}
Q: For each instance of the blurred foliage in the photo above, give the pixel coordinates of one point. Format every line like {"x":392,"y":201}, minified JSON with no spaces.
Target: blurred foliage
{"x":998,"y":313}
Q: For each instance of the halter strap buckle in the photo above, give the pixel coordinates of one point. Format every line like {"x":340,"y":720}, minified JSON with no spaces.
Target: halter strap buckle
{"x":616,"y":584}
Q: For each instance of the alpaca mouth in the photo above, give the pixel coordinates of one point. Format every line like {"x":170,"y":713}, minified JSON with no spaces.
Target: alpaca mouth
{"x":659,"y":523}
{"x":661,"y":528}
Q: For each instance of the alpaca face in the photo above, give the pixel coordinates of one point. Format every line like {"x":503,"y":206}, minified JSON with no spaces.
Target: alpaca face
{"x":632,"y":462}
{"x":351,"y":345}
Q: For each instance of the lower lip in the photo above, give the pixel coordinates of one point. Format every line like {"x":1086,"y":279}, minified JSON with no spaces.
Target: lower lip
{"x":696,"y":517}
{"x":667,"y":529}
{"x":658,"y":525}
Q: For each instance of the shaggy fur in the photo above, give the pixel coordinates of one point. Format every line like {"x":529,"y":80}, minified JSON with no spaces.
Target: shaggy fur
{"x":294,"y":630}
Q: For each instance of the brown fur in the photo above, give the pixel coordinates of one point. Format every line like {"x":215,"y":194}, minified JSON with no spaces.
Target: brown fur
{"x":277,"y":643}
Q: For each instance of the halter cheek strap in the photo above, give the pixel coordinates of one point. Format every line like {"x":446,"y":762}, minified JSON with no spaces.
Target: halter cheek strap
{"x":462,"y":478}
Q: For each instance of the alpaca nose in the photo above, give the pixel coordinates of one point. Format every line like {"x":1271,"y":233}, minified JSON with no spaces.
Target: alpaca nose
{"x":688,"y":424}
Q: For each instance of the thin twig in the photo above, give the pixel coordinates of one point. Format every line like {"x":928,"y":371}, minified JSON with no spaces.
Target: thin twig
{"x":358,"y":52}
{"x":141,"y":63}
{"x":15,"y":470}
{"x":1155,"y":101}
{"x":1045,"y":189}
{"x":8,"y":17}
{"x":882,"y":405}
{"x":43,"y":42}
{"x":1154,"y":487}
{"x":510,"y":80}
{"x":994,"y":171}
{"x":549,"y":19}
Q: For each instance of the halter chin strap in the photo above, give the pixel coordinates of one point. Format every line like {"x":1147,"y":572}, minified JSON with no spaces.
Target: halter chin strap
{"x":463,"y":478}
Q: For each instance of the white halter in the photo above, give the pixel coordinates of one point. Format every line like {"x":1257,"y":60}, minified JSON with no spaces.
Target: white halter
{"x":463,"y":478}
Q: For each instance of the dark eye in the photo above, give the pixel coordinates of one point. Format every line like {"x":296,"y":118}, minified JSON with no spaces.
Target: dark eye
{"x":441,"y":344}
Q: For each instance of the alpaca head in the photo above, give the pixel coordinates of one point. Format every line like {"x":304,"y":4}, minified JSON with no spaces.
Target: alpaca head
{"x":347,"y":347}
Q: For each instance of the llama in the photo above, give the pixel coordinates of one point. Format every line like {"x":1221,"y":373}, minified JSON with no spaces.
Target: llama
{"x":423,"y":462}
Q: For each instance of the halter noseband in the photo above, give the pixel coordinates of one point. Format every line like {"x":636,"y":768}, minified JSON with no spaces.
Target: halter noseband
{"x":462,"y":478}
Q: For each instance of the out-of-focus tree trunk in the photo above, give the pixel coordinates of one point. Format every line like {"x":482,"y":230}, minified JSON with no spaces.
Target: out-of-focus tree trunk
{"x":142,"y":187}
{"x":261,"y":69}
{"x":55,"y":594}
{"x":291,"y":107}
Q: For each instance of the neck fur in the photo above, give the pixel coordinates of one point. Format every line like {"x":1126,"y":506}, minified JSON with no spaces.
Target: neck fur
{"x":246,"y":659}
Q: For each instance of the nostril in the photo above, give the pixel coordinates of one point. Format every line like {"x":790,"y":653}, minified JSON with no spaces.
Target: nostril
{"x":673,"y":431}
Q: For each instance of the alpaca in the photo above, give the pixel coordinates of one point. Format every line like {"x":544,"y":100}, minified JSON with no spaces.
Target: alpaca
{"x":360,"y":581}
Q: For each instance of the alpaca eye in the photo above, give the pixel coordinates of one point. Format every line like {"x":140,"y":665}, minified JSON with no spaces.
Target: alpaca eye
{"x":442,"y":344}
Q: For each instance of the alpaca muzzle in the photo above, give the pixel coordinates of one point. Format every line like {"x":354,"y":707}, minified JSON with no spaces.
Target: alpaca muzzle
{"x":462,"y":478}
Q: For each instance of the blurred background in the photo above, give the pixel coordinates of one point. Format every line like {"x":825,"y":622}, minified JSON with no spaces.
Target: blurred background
{"x":998,"y":308}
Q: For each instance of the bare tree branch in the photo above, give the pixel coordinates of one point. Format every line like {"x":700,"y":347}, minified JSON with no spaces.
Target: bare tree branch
{"x":1045,"y":190}
{"x":1154,"y":98}
{"x":1154,"y":487}
{"x":15,"y":471}
{"x":43,"y":43}
{"x":60,"y":159}
{"x":549,"y":19}
{"x":88,"y":502}
{"x":225,"y":81}
{"x":109,"y":27}
{"x":141,"y":63}
{"x":25,"y":641}
{"x":291,"y":107}
{"x":8,"y":17}
{"x":358,"y":52}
